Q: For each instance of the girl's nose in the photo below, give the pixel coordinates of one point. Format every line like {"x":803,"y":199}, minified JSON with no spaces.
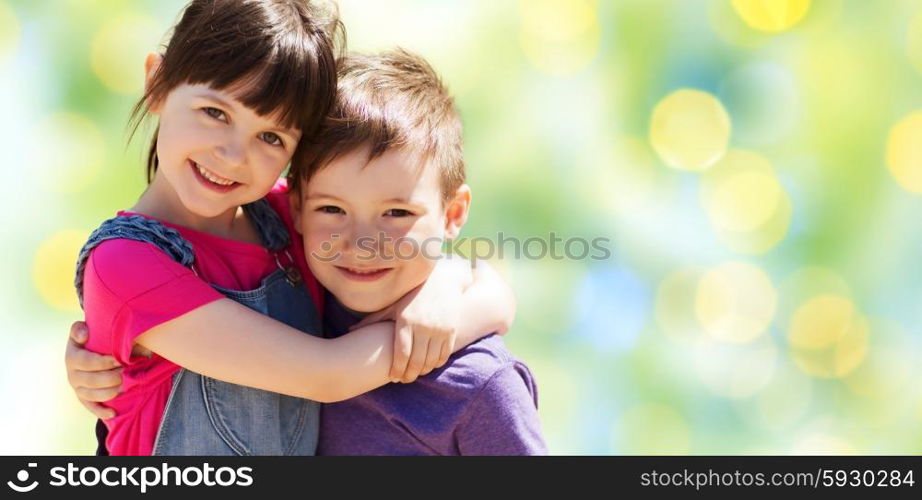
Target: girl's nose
{"x":232,"y":152}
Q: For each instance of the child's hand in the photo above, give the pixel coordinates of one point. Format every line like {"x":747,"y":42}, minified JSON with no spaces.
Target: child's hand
{"x":426,"y":321}
{"x":93,"y":377}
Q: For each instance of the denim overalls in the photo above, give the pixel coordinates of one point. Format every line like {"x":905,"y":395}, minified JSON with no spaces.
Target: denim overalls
{"x":204,"y":416}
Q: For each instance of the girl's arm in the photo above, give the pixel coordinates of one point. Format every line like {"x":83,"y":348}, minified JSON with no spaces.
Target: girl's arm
{"x":230,"y":342}
{"x":461,"y":302}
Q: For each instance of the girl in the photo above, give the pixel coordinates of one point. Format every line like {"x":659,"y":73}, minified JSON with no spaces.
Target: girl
{"x":193,"y":275}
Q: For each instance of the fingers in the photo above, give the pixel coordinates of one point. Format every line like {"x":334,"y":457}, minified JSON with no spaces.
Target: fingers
{"x":99,"y":410}
{"x":78,"y":358}
{"x":417,"y":359}
{"x":79,"y":332}
{"x":95,"y":395}
{"x":109,"y":379}
{"x":432,"y":356}
{"x":403,"y":346}
{"x":448,"y":347}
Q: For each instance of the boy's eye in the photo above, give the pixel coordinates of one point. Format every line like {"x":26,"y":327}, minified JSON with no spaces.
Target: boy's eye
{"x":215,"y":113}
{"x":330,"y":209}
{"x":398,"y":212}
{"x":271,"y":138}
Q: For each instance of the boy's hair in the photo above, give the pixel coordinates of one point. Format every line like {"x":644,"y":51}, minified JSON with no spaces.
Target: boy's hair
{"x":278,"y":55}
{"x":389,"y":100}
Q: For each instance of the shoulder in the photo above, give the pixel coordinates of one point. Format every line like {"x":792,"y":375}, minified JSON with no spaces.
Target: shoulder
{"x":482,"y":364}
{"x":129,"y":267}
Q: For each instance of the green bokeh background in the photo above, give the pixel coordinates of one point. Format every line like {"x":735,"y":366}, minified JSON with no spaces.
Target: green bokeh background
{"x":557,"y":98}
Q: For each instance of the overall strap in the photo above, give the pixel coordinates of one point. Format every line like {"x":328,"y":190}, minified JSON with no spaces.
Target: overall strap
{"x":138,"y":228}
{"x":269,"y":224}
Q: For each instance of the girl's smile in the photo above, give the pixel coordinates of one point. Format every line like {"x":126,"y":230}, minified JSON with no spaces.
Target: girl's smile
{"x":212,"y":180}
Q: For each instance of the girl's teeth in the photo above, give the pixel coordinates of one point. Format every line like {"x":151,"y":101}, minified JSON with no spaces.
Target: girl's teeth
{"x":213,"y":178}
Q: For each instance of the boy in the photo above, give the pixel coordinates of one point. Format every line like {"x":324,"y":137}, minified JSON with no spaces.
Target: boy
{"x":373,"y":198}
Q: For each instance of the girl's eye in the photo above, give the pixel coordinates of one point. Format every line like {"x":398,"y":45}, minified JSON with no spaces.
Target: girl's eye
{"x":271,"y":138}
{"x":398,"y":212}
{"x":215,"y":113}
{"x":330,"y":209}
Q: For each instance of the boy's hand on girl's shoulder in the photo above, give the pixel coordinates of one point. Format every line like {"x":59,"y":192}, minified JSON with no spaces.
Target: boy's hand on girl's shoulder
{"x":95,"y":378}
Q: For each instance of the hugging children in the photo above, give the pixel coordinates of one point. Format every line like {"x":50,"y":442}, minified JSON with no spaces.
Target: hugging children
{"x":208,"y":292}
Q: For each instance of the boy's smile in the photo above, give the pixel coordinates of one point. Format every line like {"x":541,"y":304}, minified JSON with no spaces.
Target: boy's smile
{"x":373,"y":229}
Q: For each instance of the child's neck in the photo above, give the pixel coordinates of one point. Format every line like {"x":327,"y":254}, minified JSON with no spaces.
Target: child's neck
{"x":160,"y":201}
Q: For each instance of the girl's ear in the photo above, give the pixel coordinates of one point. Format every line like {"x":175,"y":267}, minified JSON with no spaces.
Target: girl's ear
{"x":456,"y":211}
{"x":151,"y":65}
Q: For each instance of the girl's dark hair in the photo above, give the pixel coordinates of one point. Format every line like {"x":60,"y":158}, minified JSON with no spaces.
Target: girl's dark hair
{"x":280,"y":54}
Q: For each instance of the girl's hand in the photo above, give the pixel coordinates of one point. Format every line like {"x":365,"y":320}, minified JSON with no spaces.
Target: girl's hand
{"x":426,"y":321}
{"x":95,"y":378}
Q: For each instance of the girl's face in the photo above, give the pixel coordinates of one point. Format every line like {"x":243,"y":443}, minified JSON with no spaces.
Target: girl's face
{"x":216,"y":153}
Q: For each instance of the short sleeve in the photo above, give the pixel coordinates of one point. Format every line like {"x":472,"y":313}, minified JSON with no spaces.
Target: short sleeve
{"x":503,"y":417}
{"x":131,"y":287}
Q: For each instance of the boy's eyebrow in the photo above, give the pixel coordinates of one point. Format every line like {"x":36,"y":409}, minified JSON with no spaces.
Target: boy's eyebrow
{"x":310,"y":195}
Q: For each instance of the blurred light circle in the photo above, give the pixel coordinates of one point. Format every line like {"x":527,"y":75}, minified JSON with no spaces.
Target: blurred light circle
{"x":771,"y":16}
{"x":53,"y":269}
{"x":828,"y":336}
{"x":690,"y":129}
{"x":764,"y":101}
{"x":808,"y":282}
{"x":904,"y":152}
{"x":886,"y":374}
{"x":651,"y":429}
{"x":735,"y":302}
{"x":675,"y":304}
{"x":119,"y":48}
{"x":745,"y":202}
{"x":76,"y":157}
{"x":735,"y":371}
{"x":9,"y":33}
{"x":559,"y":37}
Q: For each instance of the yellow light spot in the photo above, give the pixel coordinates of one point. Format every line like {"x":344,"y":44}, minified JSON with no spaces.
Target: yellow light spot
{"x":559,"y":37}
{"x":771,"y":15}
{"x":118,"y":51}
{"x":733,"y":370}
{"x":651,"y":430}
{"x":77,"y":156}
{"x":9,"y":33}
{"x":690,"y":129}
{"x":675,"y":304}
{"x":828,"y":336}
{"x":745,"y":202}
{"x":735,"y":302}
{"x":904,"y":152}
{"x":53,"y":269}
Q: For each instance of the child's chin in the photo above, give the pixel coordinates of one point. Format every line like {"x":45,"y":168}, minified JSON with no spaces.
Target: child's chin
{"x":366,"y":304}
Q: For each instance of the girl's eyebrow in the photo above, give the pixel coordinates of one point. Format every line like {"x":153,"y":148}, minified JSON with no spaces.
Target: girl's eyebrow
{"x":293,"y":133}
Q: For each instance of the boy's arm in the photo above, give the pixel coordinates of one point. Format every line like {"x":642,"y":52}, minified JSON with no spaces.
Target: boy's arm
{"x":459,"y":303}
{"x":502,"y":419}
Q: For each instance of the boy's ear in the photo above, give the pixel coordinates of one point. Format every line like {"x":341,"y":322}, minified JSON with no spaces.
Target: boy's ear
{"x":456,"y":211}
{"x":151,"y":65}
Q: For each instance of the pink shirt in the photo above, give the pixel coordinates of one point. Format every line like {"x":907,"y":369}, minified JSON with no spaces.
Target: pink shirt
{"x":131,"y":287}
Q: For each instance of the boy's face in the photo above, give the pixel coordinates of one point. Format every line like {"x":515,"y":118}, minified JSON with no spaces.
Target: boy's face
{"x":373,"y":230}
